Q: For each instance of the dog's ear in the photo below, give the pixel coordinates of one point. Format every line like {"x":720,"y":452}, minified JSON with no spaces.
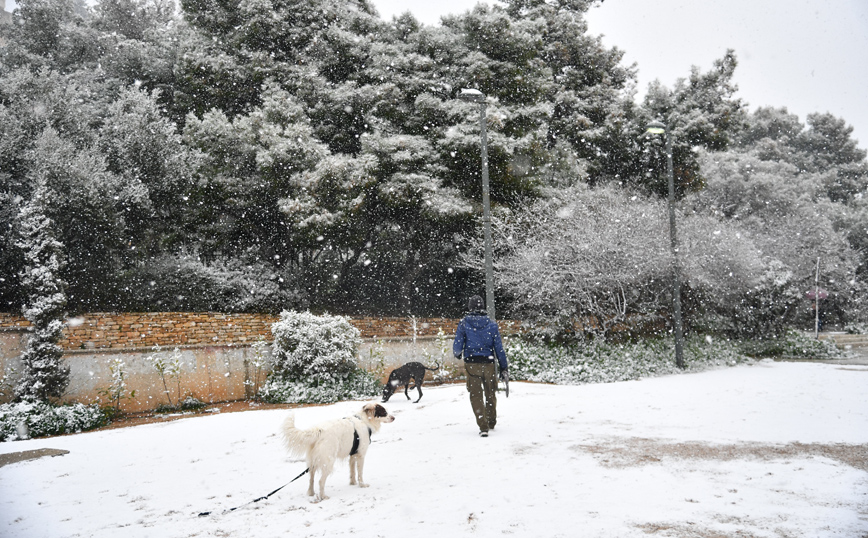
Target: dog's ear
{"x":369,"y":410}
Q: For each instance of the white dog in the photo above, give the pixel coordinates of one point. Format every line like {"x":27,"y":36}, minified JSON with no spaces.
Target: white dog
{"x":325,"y":443}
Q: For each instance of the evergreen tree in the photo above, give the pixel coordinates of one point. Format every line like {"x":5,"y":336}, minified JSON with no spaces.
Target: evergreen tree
{"x":286,"y":150}
{"x":43,"y":376}
{"x":88,"y":206}
{"x":824,"y":145}
{"x":787,"y":215}
{"x":51,"y":33}
{"x":145,"y":151}
{"x":11,"y":257}
{"x":700,"y":112}
{"x":824,"y":161}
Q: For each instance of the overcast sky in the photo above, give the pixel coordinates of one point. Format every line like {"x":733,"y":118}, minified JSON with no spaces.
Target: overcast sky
{"x":805,"y":55}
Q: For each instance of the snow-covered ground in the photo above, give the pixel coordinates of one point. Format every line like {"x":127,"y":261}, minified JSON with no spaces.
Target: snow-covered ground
{"x":757,"y":451}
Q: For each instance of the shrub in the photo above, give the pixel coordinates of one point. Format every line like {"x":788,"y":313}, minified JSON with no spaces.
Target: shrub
{"x":190,"y":403}
{"x":314,"y":361}
{"x":793,"y":344}
{"x":117,"y":391}
{"x":167,"y":367}
{"x":856,"y":328}
{"x":355,"y":385}
{"x":261,"y":363}
{"x":766,"y":309}
{"x":186,"y":283}
{"x":320,"y":349}
{"x":24,"y":420}
{"x":601,"y":362}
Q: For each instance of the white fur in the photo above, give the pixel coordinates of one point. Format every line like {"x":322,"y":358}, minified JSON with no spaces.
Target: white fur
{"x":330,"y":441}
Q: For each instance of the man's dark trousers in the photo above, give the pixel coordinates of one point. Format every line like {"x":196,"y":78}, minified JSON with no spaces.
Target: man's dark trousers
{"x":482,"y":381}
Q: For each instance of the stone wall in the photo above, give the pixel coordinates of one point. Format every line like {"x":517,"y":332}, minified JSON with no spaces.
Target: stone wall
{"x":215,"y":351}
{"x":166,"y":329}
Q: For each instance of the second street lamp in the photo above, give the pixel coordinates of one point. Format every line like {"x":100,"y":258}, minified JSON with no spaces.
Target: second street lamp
{"x":657,"y":127}
{"x":476,"y":96}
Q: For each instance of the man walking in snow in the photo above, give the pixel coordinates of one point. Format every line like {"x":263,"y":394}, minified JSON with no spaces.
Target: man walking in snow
{"x":477,"y":340}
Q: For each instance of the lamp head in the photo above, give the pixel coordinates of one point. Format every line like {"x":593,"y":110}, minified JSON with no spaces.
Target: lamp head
{"x":472,"y":95}
{"x":655,"y":127}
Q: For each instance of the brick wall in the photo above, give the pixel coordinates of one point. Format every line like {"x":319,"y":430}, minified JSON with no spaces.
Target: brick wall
{"x":149,"y":329}
{"x":11,"y":321}
{"x":217,"y":360}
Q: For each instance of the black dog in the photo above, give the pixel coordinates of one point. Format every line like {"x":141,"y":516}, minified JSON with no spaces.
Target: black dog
{"x":403,"y":375}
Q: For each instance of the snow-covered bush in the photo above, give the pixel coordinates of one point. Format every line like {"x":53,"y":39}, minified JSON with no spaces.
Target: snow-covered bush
{"x":582,"y":261}
{"x":319,"y":348}
{"x":439,"y":359}
{"x":355,"y":385}
{"x":167,"y":367}
{"x":601,"y":362}
{"x":117,"y":390}
{"x":24,"y":420}
{"x":190,"y":403}
{"x":186,"y":283}
{"x":799,"y":344}
{"x":261,"y":364}
{"x":314,"y":361}
{"x":768,"y":308}
{"x":856,"y":328}
{"x":793,"y":344}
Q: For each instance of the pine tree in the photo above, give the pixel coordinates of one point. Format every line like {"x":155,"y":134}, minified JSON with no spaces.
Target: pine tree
{"x":701,"y":112}
{"x":44,"y":375}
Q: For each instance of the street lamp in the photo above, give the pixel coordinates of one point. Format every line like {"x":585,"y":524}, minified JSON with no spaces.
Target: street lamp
{"x":657,"y":127}
{"x":476,"y":96}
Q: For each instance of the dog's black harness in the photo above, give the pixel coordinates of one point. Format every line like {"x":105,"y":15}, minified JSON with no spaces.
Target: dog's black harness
{"x":356,"y":439}
{"x":355,"y":448}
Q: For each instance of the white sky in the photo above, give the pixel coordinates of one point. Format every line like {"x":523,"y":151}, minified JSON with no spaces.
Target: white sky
{"x":806,"y":55}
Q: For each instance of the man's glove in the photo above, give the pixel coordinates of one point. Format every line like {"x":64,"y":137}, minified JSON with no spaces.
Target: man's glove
{"x":504,"y":376}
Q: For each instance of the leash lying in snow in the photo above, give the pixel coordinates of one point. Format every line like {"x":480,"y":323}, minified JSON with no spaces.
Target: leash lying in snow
{"x":203,"y":514}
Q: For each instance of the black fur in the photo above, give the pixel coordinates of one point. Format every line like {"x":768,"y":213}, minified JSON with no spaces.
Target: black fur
{"x":403,"y":375}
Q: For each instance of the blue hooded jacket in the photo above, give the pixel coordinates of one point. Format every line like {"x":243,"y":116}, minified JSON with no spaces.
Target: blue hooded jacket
{"x":478,"y":336}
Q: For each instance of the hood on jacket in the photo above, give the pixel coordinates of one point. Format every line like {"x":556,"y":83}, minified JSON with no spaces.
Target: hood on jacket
{"x":478,"y":320}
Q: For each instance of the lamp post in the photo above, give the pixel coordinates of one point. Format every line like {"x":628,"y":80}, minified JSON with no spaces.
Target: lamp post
{"x":476,"y":96}
{"x":657,"y":127}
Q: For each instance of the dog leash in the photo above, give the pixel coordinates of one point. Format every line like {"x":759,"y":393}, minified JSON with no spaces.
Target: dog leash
{"x":203,"y":514}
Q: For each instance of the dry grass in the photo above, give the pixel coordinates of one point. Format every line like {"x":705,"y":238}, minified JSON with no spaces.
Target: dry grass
{"x":618,"y":453}
{"x":15,"y":457}
{"x":630,"y":452}
{"x":690,"y":531}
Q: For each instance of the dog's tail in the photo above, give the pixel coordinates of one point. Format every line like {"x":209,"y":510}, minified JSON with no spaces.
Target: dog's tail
{"x":433,"y":369}
{"x":298,"y":442}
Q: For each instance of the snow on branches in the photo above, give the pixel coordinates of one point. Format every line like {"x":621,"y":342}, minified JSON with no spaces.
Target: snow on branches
{"x":44,"y":376}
